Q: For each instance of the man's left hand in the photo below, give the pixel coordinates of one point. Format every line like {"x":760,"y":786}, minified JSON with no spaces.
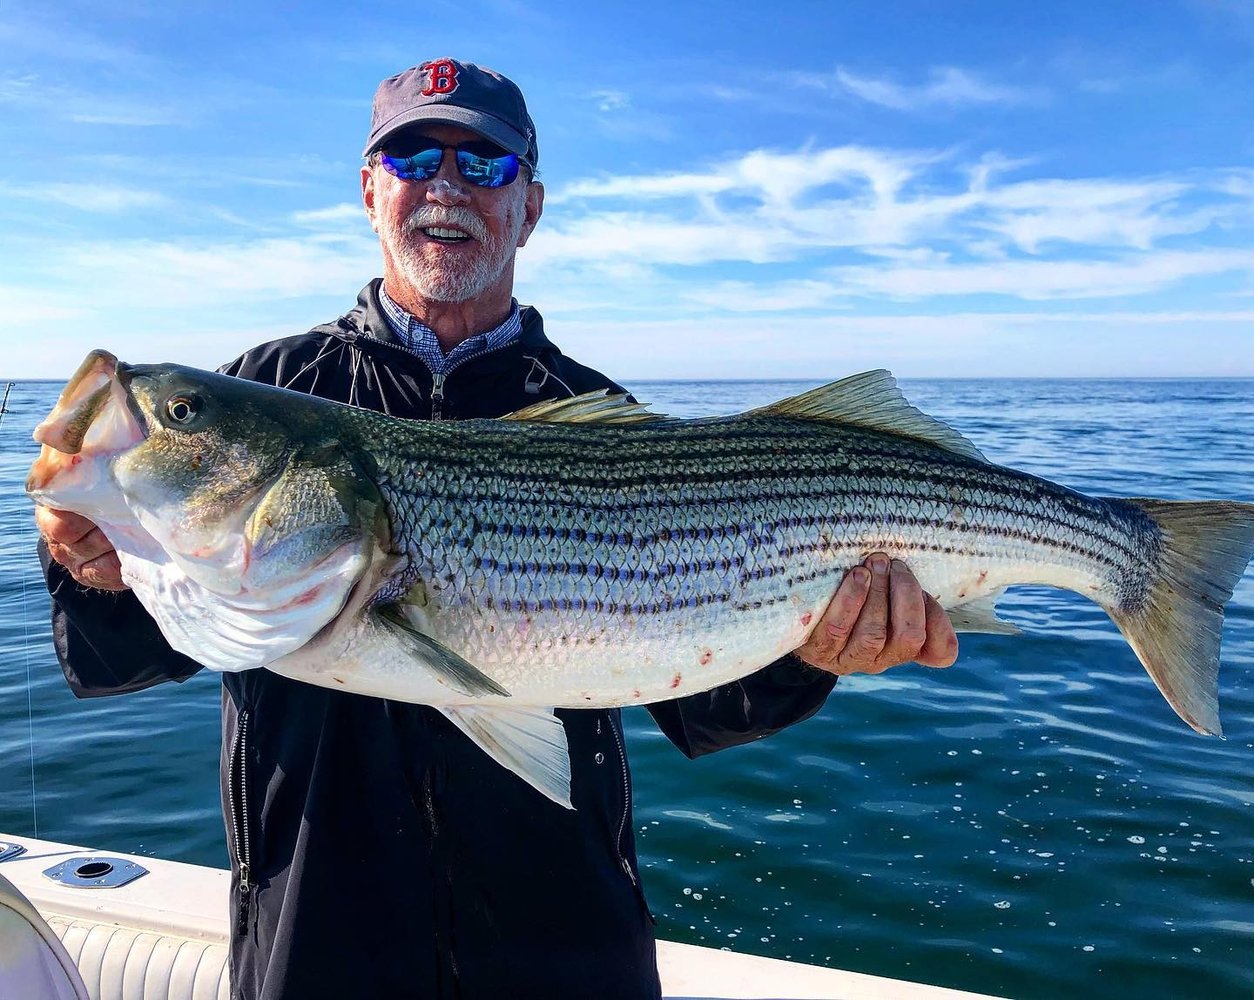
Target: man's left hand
{"x":880,"y":618}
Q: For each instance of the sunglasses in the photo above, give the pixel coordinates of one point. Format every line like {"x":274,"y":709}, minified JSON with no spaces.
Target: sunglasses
{"x":418,"y":158}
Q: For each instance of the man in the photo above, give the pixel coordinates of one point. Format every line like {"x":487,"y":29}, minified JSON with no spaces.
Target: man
{"x":376,"y":852}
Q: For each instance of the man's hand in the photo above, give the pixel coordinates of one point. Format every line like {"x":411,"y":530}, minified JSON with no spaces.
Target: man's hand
{"x":879,"y":618}
{"x":81,"y":547}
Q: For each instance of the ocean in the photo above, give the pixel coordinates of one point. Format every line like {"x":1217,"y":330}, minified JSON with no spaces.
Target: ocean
{"x":1033,"y":822}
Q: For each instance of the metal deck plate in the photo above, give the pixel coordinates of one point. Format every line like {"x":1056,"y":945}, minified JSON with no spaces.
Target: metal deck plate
{"x":96,"y":871}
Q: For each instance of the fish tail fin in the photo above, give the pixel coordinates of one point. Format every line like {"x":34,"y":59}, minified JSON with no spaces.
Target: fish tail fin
{"x":1175,"y":628}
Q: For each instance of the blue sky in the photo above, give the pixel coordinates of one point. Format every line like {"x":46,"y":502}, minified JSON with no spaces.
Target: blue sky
{"x":733,"y":190}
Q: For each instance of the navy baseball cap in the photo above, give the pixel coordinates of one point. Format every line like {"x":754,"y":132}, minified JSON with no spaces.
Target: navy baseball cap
{"x":456,"y":93}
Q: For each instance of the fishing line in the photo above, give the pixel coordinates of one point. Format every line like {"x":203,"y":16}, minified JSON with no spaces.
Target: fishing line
{"x":30,"y":705}
{"x":30,"y":708}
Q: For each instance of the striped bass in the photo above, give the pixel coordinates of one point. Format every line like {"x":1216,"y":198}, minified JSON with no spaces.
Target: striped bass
{"x":587,"y":552}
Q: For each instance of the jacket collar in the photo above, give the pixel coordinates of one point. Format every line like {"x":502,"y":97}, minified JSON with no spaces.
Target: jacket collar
{"x":368,"y":320}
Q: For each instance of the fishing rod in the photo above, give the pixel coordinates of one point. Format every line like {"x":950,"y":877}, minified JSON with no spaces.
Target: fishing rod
{"x":4,"y":404}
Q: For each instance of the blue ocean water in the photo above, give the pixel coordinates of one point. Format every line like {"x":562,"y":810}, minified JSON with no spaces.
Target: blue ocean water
{"x":1032,"y":822}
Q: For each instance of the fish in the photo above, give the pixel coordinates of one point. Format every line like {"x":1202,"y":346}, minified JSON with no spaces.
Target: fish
{"x":588,"y":552}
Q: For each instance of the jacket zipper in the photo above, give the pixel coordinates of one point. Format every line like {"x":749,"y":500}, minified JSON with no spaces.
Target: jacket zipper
{"x":622,"y":823}
{"x":437,"y":396}
{"x":437,"y":380}
{"x":239,"y":810}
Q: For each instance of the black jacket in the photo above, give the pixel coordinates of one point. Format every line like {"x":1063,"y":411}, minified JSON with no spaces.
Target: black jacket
{"x":376,"y":852}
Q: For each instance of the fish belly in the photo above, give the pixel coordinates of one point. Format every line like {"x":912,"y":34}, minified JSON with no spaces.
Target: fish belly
{"x":660,"y":627}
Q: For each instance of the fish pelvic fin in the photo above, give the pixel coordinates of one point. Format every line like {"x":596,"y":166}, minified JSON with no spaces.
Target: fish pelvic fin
{"x":531,"y":742}
{"x":599,"y":407}
{"x":1175,"y":631}
{"x":873,"y":401}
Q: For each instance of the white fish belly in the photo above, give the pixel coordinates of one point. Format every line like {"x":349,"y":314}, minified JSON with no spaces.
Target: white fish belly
{"x":550,"y":656}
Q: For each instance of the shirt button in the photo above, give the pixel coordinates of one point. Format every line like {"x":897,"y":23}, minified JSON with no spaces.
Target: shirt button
{"x":599,"y":758}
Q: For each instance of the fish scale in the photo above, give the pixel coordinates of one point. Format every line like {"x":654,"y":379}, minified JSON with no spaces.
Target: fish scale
{"x":513,"y":577}
{"x":584,"y":552}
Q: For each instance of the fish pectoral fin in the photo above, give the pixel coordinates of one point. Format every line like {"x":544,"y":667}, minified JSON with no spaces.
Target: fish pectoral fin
{"x":600,"y":407}
{"x":981,"y":616}
{"x":871,"y":400}
{"x":455,"y":670}
{"x":531,"y":742}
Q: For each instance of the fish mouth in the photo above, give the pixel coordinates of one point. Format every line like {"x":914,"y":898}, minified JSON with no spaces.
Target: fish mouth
{"x":95,"y":417}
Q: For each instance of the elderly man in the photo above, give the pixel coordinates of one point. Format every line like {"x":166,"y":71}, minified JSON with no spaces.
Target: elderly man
{"x":376,"y":852}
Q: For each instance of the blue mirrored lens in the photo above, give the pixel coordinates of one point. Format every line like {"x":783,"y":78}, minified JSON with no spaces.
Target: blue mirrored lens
{"x":418,"y":167}
{"x":487,"y":171}
{"x":480,"y":170}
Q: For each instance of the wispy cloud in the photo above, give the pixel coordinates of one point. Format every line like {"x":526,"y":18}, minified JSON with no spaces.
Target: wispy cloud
{"x":863,"y":221}
{"x":334,"y":215}
{"x":169,"y":274}
{"x":966,"y":344}
{"x":64,"y":103}
{"x":101,"y":198}
{"x":610,"y":100}
{"x":1043,"y":280}
{"x":946,"y":86}
{"x":813,"y":241}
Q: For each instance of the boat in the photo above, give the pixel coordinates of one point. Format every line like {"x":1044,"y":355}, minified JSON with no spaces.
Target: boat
{"x":112,"y":926}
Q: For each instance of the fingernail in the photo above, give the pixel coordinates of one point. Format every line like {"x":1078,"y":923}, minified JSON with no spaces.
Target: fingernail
{"x":879,"y":564}
{"x":860,"y":576}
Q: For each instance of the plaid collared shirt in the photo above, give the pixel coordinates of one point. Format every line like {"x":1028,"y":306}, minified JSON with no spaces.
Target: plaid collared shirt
{"x":421,"y":339}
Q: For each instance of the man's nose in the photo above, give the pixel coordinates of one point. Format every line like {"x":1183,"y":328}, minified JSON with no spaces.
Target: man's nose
{"x":448,"y":187}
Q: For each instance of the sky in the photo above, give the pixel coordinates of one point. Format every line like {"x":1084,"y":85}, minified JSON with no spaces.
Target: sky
{"x":793,"y":189}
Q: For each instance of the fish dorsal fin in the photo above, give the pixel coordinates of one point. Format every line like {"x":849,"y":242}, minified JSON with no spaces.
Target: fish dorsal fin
{"x":871,"y":400}
{"x":600,"y":407}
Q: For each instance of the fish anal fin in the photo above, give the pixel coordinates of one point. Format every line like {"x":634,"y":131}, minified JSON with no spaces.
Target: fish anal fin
{"x":873,"y":401}
{"x":531,"y":742}
{"x":600,"y":407}
{"x":455,"y":670}
{"x":981,"y":615}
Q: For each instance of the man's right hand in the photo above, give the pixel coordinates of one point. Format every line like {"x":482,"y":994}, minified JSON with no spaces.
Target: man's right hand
{"x":81,"y":547}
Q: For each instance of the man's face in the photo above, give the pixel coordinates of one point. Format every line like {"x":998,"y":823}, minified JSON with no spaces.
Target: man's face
{"x":446,"y":238}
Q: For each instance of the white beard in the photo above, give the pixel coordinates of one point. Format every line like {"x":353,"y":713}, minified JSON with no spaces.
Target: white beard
{"x":443,"y":283}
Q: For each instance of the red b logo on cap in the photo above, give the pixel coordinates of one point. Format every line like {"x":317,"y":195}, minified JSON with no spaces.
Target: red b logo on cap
{"x":441,"y":77}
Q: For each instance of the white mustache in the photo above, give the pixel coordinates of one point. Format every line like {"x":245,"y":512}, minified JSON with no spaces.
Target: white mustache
{"x":426,"y":216}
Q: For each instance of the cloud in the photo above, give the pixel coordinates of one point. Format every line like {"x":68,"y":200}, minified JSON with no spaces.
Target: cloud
{"x":344,"y":212}
{"x":850,"y":254}
{"x":947,"y":86}
{"x":20,"y":302}
{"x":841,"y":213}
{"x":96,"y":198}
{"x":16,"y":89}
{"x":184,"y":274}
{"x":62,"y":103}
{"x":610,"y":100}
{"x":957,"y":344}
{"x":1039,"y":280}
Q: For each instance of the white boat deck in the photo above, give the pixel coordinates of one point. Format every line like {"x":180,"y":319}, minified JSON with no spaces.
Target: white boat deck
{"x":163,"y":937}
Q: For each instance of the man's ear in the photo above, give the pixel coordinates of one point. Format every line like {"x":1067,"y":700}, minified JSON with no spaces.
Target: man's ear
{"x":533,"y":209}
{"x":367,"y":195}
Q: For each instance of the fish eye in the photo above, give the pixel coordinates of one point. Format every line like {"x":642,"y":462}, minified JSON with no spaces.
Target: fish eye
{"x":181,"y":409}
